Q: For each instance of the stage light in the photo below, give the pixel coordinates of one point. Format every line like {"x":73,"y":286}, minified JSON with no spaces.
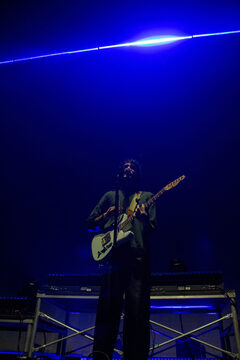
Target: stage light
{"x":13,"y":298}
{"x":152,"y":41}
{"x":182,"y":307}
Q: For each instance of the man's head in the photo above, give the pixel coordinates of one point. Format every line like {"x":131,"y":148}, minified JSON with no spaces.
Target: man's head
{"x":129,"y":174}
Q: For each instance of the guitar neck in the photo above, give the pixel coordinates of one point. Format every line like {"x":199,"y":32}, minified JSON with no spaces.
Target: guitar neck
{"x":154,"y":198}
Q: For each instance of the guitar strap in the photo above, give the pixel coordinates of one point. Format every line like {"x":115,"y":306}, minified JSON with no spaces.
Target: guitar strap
{"x":133,"y":204}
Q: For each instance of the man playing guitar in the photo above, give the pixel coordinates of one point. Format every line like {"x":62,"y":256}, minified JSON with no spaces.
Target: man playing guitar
{"x":127,"y":274}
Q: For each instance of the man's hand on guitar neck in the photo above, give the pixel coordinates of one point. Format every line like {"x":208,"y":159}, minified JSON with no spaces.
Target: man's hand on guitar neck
{"x":140,"y":212}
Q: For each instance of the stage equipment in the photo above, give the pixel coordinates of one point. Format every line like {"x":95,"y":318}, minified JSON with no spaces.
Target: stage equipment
{"x":161,"y":284}
{"x":15,"y":307}
{"x":153,"y":41}
{"x":198,"y":303}
{"x":171,"y":293}
{"x":17,"y":319}
{"x":17,"y":315}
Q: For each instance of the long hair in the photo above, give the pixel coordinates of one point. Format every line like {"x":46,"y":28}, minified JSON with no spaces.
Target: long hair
{"x":135,"y":164}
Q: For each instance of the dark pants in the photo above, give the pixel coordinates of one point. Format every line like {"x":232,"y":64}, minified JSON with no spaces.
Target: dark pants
{"x":130,"y":276}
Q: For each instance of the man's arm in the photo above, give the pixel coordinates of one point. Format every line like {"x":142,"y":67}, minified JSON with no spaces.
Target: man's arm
{"x":100,"y":220}
{"x":100,"y":214}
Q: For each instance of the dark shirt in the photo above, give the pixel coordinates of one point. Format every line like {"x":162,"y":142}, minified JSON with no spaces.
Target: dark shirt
{"x":140,"y":227}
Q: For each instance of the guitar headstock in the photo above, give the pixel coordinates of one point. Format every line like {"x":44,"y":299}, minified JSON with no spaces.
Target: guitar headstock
{"x":174,"y":183}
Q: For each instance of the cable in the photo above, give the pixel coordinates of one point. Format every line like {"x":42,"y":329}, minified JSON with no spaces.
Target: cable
{"x":44,"y":340}
{"x":225,"y":293}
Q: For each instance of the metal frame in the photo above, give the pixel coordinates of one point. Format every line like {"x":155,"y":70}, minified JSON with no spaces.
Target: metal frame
{"x":230,"y":296}
{"x":28,"y":323}
{"x":220,"y":298}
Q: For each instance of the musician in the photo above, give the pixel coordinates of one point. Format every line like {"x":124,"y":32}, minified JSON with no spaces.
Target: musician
{"x":128,"y":271}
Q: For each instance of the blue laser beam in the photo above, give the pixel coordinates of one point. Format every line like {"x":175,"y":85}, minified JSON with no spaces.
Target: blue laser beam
{"x":153,"y":41}
{"x":47,"y":55}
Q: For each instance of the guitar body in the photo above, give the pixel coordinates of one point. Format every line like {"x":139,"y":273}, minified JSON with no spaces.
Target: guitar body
{"x":102,"y":243}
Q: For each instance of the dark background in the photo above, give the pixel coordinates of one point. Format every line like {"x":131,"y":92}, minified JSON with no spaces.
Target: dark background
{"x":67,"y":121}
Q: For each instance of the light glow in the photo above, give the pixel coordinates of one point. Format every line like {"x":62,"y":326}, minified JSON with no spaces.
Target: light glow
{"x":149,"y":41}
{"x":153,"y":41}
